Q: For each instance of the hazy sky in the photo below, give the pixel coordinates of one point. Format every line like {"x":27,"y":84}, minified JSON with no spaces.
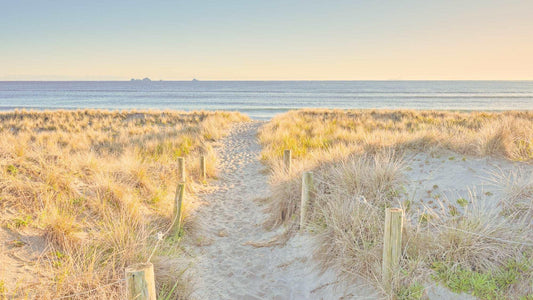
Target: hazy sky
{"x":266,"y":40}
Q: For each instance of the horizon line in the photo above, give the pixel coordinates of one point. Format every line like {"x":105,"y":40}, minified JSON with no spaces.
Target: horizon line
{"x":261,"y":80}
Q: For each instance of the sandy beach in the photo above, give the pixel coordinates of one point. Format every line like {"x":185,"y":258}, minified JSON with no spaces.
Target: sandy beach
{"x":464,"y":200}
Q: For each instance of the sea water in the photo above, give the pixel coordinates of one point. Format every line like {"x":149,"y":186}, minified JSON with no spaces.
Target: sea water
{"x":264,"y":99}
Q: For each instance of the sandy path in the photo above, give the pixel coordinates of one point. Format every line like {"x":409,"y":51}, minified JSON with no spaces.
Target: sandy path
{"x":228,"y":268}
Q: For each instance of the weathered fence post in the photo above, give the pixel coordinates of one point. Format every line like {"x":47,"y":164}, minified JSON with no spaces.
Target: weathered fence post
{"x":392,"y":245}
{"x":307,"y":189}
{"x":181,"y":169}
{"x":203,"y":168}
{"x":287,"y":160}
{"x":140,"y":282}
{"x":178,"y":208}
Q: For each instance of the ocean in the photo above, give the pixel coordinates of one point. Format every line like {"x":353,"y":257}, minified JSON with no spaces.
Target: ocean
{"x":264,"y":99}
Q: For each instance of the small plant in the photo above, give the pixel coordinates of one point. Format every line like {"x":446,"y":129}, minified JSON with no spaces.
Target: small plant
{"x":425,"y":218}
{"x":168,"y":292}
{"x":414,"y":291}
{"x":453,"y":210}
{"x":57,"y":260}
{"x":12,"y":170}
{"x":462,"y":202}
{"x":58,"y":254}
{"x":17,"y":243}
{"x":19,"y":222}
{"x":78,"y":201}
{"x":407,"y":205}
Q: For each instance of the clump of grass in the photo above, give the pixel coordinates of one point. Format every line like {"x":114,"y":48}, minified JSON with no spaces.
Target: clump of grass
{"x":59,"y":226}
{"x":97,"y":186}
{"x":517,"y":186}
{"x":476,"y":238}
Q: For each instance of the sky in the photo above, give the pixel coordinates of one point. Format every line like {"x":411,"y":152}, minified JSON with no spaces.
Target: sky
{"x":266,"y":40}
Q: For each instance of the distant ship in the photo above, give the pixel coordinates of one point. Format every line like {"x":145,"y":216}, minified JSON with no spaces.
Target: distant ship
{"x":194,"y":80}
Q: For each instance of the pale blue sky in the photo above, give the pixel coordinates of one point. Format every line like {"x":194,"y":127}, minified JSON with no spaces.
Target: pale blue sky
{"x":266,"y":40}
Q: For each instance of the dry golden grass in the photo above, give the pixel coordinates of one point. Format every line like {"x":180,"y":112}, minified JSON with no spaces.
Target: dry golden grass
{"x":95,"y":187}
{"x":357,"y":159}
{"x":309,"y":133}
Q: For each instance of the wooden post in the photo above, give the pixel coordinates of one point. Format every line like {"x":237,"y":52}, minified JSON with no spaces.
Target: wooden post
{"x":178,"y":208}
{"x":287,"y":160}
{"x":140,"y":283}
{"x":392,"y":245}
{"x":203,"y":168}
{"x":181,"y":169}
{"x":307,"y":189}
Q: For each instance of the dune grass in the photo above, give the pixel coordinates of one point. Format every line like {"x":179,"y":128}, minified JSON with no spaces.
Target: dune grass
{"x":358,"y":161}
{"x":94,"y":188}
{"x":309,"y":133}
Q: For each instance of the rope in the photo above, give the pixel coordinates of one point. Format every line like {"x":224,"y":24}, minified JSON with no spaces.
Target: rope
{"x":90,"y":291}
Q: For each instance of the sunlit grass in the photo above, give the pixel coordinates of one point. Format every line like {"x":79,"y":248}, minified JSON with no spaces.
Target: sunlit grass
{"x":508,"y":134}
{"x":357,"y":160}
{"x":96,"y":186}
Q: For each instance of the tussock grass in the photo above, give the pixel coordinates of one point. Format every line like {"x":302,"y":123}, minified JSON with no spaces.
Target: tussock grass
{"x":349,"y":211}
{"x":357,"y":160}
{"x":97,"y":186}
{"x":518,"y":200}
{"x":305,"y":132}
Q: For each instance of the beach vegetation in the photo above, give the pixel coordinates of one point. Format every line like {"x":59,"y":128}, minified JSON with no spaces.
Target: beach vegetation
{"x":88,"y":191}
{"x":358,"y":158}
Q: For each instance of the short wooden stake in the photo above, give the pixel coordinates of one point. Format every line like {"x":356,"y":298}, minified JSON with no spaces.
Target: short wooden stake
{"x":307,"y":189}
{"x":287,"y":155}
{"x":181,"y":169}
{"x":178,"y":208}
{"x":203,"y":168}
{"x":140,"y":282}
{"x":392,"y":245}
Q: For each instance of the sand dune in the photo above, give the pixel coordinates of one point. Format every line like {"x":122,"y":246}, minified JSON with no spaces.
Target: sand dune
{"x":231,"y":264}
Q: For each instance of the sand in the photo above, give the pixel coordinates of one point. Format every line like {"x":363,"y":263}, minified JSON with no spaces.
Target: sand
{"x":447,"y":176}
{"x":227,"y":265}
{"x":19,"y":255}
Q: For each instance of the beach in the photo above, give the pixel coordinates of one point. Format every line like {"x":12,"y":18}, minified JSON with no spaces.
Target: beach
{"x":241,"y":236}
{"x":256,"y":150}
